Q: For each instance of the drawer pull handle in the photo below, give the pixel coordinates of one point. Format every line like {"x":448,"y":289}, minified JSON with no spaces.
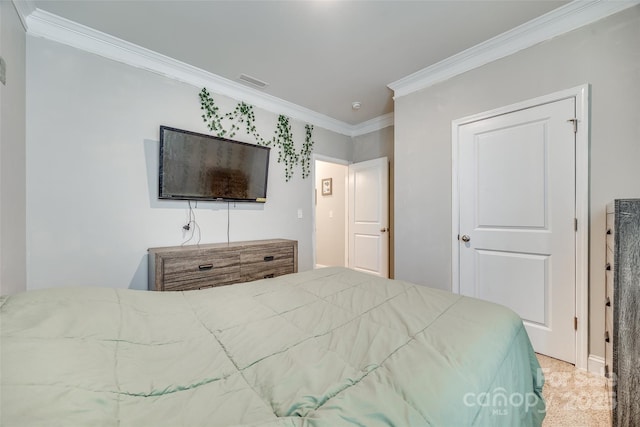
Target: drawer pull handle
{"x":606,"y":336}
{"x":205,"y":267}
{"x":269,"y":258}
{"x":608,"y":302}
{"x":269,"y":276}
{"x":607,"y":267}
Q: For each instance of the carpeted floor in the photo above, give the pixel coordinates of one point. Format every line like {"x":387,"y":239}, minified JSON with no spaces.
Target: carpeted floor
{"x":574,"y":398}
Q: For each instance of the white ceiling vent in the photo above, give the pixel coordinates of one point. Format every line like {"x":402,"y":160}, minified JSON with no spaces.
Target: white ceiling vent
{"x":253,"y":81}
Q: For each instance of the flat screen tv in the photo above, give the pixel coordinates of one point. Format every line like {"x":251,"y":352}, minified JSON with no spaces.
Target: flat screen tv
{"x":196,"y":166}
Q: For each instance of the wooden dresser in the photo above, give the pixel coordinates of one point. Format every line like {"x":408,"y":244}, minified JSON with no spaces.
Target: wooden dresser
{"x":181,"y":268}
{"x":622,"y":310}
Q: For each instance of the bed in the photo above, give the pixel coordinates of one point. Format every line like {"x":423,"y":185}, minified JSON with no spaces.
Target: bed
{"x":328,"y":347}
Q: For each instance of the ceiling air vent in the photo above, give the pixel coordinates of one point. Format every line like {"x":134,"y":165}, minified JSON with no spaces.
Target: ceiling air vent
{"x":253,"y":81}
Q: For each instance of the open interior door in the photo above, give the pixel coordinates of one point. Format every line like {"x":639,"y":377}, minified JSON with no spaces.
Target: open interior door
{"x":369,"y":216}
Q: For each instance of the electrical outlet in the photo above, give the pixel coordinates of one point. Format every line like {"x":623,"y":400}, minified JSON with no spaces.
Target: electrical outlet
{"x":299,"y":213}
{"x":3,"y":71}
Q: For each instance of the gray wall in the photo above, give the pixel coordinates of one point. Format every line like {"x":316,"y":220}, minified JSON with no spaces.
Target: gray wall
{"x":92,"y":150}
{"x":13,"y":273}
{"x":372,"y":146}
{"x":606,"y":55}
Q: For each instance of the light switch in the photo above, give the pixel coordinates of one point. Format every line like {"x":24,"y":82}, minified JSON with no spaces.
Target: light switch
{"x":3,"y":71}
{"x":299,"y":213}
{"x":330,"y":214}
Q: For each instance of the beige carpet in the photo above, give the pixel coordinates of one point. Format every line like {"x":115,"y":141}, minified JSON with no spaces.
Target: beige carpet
{"x":574,"y":398}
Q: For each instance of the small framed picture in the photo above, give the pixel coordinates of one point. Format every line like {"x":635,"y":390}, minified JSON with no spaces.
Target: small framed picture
{"x":327,"y":187}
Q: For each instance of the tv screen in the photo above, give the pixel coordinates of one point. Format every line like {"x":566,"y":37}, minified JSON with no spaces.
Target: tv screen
{"x":195,"y":166}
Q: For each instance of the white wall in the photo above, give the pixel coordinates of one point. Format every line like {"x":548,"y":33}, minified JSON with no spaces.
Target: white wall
{"x":605,"y":54}
{"x":92,"y":158}
{"x":331,"y":214}
{"x":13,"y":275}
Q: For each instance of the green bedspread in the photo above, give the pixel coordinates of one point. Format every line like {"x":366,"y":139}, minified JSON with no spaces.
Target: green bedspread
{"x":329,"y":347}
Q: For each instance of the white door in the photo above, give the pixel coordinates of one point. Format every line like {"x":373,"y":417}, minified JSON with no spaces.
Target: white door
{"x":369,"y":217}
{"x":517,"y":211}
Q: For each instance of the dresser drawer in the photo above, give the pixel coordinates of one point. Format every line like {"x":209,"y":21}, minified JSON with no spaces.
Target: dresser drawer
{"x":266,"y":254}
{"x":610,"y":260}
{"x":611,"y":221}
{"x":608,"y":358}
{"x":608,"y":322}
{"x":265,"y":270}
{"x":182,"y":273}
{"x":611,"y":224}
{"x":610,"y":241}
{"x":608,"y":338}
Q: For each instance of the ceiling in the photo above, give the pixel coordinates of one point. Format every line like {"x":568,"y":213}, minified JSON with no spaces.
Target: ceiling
{"x":321,"y":55}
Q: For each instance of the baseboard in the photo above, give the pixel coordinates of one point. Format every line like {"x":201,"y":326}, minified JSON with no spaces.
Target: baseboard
{"x":323,"y":266}
{"x":595,"y":364}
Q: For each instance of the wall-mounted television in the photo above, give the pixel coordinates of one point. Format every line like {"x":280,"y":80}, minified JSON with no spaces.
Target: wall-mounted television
{"x":196,"y":166}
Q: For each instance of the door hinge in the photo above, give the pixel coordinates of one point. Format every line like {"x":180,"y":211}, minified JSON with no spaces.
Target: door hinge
{"x":575,"y":124}
{"x":575,"y":323}
{"x":575,"y":224}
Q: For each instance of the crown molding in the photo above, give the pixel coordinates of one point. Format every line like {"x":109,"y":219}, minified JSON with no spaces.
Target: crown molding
{"x":557,"y":22}
{"x":569,"y":17}
{"x":24,"y":9}
{"x":44,"y":24}
{"x":373,"y":125}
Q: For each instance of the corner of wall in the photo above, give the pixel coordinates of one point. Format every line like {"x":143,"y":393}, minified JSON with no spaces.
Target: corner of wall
{"x":12,"y":153}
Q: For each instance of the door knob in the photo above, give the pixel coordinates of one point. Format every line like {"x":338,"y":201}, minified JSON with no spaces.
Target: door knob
{"x":465,"y":238}
{"x":384,"y":230}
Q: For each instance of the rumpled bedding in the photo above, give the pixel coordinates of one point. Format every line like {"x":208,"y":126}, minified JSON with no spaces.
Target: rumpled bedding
{"x":328,"y":347}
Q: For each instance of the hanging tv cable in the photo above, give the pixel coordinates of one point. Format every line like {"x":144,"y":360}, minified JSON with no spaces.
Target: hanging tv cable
{"x":192,"y":225}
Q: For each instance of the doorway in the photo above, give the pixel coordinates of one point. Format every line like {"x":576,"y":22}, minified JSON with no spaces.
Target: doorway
{"x":330,"y":199}
{"x":351,"y":215}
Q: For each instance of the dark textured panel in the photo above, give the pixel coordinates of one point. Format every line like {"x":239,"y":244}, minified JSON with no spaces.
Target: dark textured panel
{"x":626,"y":313}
